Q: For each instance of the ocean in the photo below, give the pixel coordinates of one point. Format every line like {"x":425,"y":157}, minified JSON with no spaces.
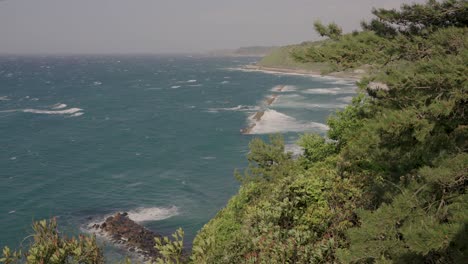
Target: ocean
{"x":83,"y":137}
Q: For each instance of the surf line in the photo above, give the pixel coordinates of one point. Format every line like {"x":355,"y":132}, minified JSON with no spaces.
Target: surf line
{"x":258,"y":115}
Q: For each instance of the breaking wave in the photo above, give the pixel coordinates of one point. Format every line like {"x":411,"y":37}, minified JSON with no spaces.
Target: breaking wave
{"x":152,"y":213}
{"x":59,"y":106}
{"x":241,"y":108}
{"x":335,"y":90}
{"x":275,"y":122}
{"x":52,"y":112}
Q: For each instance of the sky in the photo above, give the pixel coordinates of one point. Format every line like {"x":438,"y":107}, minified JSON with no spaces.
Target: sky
{"x":169,"y":26}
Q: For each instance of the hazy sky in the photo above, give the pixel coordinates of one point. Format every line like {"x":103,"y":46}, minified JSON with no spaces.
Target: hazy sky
{"x":152,"y":26}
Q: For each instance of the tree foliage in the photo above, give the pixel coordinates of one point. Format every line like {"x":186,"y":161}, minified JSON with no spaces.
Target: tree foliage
{"x":389,"y":184}
{"x":48,"y":246}
{"x":331,"y":30}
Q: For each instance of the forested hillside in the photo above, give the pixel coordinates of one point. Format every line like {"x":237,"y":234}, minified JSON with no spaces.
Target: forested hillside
{"x":389,"y":182}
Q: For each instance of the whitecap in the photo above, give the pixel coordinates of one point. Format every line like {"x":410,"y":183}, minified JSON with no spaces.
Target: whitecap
{"x":97,"y":83}
{"x":59,"y":106}
{"x":143,"y":214}
{"x":344,"y":82}
{"x":240,"y":108}
{"x":4,"y":98}
{"x":77,"y":114}
{"x":281,"y":103}
{"x":12,"y":212}
{"x":53,"y":112}
{"x":191,"y":81}
{"x":275,"y":122}
{"x":335,"y":90}
{"x":322,"y":91}
{"x":175,"y":86}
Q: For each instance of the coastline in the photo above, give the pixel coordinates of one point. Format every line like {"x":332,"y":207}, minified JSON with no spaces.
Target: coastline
{"x":356,"y":75}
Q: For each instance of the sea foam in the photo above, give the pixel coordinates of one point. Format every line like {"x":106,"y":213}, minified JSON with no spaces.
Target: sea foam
{"x":335,"y":90}
{"x":143,"y":214}
{"x":276,"y":122}
{"x":240,"y":108}
{"x":53,"y":112}
{"x":59,"y":106}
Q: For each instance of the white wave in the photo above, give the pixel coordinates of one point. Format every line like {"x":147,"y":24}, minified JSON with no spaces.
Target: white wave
{"x":335,"y":90}
{"x":323,"y":91}
{"x":175,"y":86}
{"x":241,"y":108}
{"x":152,"y":213}
{"x":343,"y":81}
{"x":97,"y":83}
{"x":281,"y":103}
{"x":59,"y":106}
{"x":4,"y":98}
{"x":196,"y":85}
{"x":77,"y":114}
{"x":224,"y":82}
{"x":346,"y":99}
{"x":53,"y":112}
{"x":276,"y":122}
{"x":12,"y":212}
{"x":191,"y":81}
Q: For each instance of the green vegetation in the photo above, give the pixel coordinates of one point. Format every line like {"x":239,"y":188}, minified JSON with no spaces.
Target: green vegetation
{"x":281,"y":58}
{"x":387,"y":185}
{"x":48,"y":246}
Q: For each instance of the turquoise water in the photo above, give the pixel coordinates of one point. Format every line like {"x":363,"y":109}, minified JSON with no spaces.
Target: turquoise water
{"x":82,"y":137}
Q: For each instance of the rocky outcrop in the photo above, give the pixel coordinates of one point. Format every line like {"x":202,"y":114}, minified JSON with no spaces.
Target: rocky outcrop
{"x":136,"y":238}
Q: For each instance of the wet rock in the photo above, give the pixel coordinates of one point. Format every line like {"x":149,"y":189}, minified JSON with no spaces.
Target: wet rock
{"x":132,"y":235}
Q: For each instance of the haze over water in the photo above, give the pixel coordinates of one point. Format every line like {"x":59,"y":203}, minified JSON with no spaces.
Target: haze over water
{"x":157,"y":136}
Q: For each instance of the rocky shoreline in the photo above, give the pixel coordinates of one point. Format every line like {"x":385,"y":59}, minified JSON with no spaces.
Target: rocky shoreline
{"x":120,"y":229}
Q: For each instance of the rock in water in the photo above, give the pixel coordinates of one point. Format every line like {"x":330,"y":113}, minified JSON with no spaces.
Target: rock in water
{"x":135,"y":237}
